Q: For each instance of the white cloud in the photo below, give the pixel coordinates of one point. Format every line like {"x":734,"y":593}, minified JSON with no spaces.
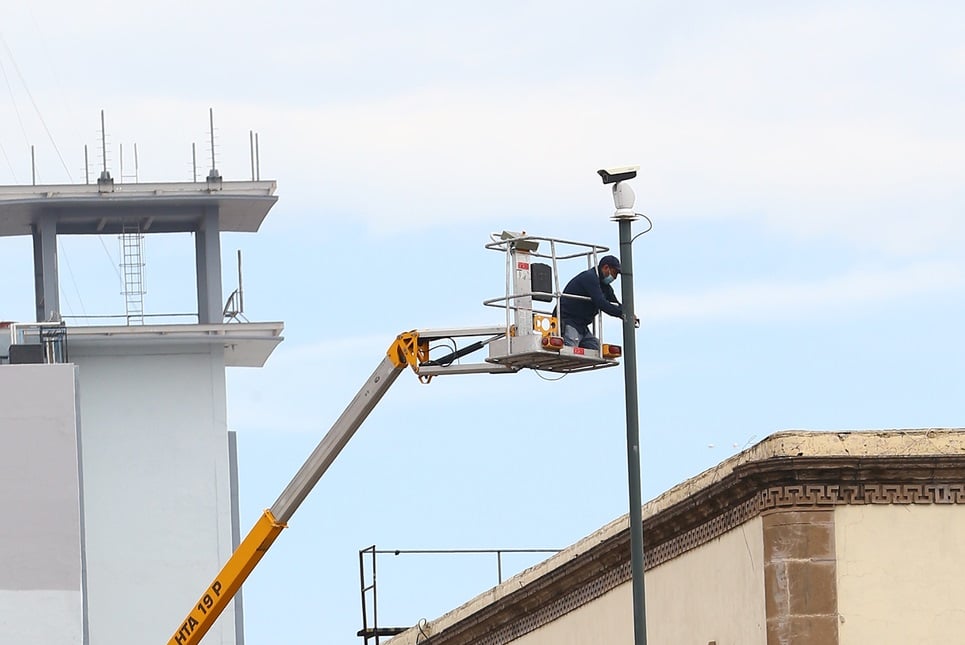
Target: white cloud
{"x":845,"y":140}
{"x":814,"y":120}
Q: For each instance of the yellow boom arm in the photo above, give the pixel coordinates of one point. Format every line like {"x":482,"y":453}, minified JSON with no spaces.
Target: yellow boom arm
{"x":407,"y":349}
{"x":217,"y":596}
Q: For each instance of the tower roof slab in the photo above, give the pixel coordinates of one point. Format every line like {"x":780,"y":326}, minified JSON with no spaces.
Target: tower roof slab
{"x":245,"y":344}
{"x":170,"y":207}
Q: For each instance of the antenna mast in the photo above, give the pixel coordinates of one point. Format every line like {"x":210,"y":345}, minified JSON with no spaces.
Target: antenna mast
{"x":213,"y":174}
{"x":255,"y":160}
{"x":105,"y":182}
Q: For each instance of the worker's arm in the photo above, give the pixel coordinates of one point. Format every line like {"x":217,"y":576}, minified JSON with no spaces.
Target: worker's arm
{"x":605,"y":302}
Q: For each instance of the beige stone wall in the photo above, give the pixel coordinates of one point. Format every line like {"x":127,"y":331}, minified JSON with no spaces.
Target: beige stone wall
{"x":713,"y":593}
{"x":838,"y":538}
{"x":800,"y":579}
{"x":608,"y":619}
{"x":901,"y":573}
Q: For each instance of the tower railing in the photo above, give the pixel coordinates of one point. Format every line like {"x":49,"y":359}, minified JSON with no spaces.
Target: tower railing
{"x":43,"y":342}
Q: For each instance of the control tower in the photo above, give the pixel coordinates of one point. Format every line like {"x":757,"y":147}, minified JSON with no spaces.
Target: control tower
{"x":117,"y":469}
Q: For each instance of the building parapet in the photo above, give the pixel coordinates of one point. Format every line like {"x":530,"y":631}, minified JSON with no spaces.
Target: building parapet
{"x":787,"y":471}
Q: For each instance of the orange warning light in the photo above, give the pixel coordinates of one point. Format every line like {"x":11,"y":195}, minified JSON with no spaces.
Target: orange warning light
{"x":611,"y":351}
{"x":552,"y":342}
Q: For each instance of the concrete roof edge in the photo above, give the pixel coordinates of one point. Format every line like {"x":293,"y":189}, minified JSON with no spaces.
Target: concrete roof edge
{"x":780,"y":445}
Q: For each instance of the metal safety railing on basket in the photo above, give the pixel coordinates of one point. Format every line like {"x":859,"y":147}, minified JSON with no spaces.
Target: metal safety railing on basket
{"x":559,"y":250}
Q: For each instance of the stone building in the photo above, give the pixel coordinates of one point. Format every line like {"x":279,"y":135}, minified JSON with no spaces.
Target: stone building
{"x":807,"y":538}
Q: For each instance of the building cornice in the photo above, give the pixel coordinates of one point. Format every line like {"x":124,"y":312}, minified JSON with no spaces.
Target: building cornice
{"x":786,"y":471}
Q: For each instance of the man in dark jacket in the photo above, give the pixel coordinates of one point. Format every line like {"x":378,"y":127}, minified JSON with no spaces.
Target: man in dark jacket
{"x":577,"y":314}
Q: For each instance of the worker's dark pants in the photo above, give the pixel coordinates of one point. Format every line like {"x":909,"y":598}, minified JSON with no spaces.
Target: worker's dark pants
{"x":574,"y":337}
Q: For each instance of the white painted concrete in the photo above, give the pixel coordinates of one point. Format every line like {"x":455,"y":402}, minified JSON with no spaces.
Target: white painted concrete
{"x":40,"y":537}
{"x":40,"y":617}
{"x":156,"y":487}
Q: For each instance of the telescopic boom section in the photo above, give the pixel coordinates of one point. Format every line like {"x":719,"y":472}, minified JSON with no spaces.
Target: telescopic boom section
{"x":406,"y":350}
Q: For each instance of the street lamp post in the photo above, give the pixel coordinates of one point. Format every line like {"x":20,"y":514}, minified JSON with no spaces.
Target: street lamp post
{"x":623,"y":199}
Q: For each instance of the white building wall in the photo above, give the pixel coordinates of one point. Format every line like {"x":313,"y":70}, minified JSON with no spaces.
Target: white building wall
{"x":40,"y":536}
{"x":156,"y":487}
{"x":901,"y":574}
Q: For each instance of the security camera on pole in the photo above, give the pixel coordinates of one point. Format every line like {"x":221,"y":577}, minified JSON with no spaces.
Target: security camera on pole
{"x":623,"y":199}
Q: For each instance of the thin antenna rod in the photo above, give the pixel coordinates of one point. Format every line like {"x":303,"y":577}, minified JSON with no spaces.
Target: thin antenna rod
{"x":241,"y":292}
{"x":120,"y":153}
{"x":33,"y":166}
{"x":86,"y":166}
{"x":103,"y":145}
{"x":257,"y":158}
{"x":136,"y":179}
{"x":213,"y":174}
{"x":211,"y":120}
{"x":251,"y":148}
{"x":194,"y":162}
{"x":105,"y":181}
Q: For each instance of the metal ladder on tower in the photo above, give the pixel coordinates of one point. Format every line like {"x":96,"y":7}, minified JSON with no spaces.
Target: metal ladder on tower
{"x":132,"y":272}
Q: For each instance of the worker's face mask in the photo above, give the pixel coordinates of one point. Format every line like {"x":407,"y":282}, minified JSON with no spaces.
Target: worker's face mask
{"x":607,"y":279}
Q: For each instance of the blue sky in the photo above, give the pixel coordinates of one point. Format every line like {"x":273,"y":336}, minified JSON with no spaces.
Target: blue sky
{"x":802,"y":164}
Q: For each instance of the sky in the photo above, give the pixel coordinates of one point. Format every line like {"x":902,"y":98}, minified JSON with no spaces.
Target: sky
{"x":802,"y":164}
